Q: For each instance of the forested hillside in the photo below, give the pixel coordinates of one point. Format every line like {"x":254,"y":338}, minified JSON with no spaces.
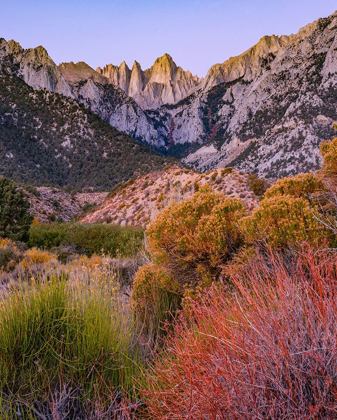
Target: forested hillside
{"x":47,"y":138}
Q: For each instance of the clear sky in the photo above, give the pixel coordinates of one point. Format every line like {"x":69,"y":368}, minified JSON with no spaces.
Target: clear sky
{"x":196,"y":33}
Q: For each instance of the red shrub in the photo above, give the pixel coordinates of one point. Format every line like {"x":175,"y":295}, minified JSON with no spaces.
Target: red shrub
{"x":264,"y":349}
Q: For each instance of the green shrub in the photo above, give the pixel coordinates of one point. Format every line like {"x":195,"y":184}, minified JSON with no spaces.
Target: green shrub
{"x":258,"y":185}
{"x":88,"y":239}
{"x":284,"y":221}
{"x":329,"y":153}
{"x":299,"y":186}
{"x":156,"y":296}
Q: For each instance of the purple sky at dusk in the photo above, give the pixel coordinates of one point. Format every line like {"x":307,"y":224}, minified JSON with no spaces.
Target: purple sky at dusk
{"x":196,"y":33}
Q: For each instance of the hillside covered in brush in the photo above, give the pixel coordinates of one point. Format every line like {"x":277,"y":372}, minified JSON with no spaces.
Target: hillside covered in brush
{"x":47,"y":138}
{"x":139,"y":201}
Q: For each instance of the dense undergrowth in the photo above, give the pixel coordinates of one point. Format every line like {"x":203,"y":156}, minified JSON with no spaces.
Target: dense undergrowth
{"x":88,"y":239}
{"x":229,"y":313}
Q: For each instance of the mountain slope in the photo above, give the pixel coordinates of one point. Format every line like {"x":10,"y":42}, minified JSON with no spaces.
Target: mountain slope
{"x":47,"y":138}
{"x":140,"y":200}
{"x":81,"y":82}
{"x":110,"y":102}
{"x":265,"y":111}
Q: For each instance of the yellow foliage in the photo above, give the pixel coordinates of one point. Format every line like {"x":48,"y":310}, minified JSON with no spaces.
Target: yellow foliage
{"x":4,"y":242}
{"x":84,"y":261}
{"x":329,"y":153}
{"x":300,"y":186}
{"x":283,"y":221}
{"x":191,"y":239}
{"x":36,"y":256}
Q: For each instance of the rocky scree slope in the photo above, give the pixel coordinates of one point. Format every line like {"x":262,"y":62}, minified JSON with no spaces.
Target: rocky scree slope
{"x":54,"y":204}
{"x":140,"y":200}
{"x":47,"y":138}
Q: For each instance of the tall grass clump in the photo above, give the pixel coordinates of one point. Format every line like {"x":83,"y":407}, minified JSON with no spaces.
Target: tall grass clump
{"x":88,"y":239}
{"x":263,"y":348}
{"x":156,"y":297}
{"x":63,"y":340}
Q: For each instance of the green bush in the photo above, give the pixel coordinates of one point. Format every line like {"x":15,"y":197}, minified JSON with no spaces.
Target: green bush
{"x":156,"y":296}
{"x":88,"y":239}
{"x":10,"y":255}
{"x":284,"y":221}
{"x":258,"y":185}
{"x":192,"y":239}
{"x":299,"y":186}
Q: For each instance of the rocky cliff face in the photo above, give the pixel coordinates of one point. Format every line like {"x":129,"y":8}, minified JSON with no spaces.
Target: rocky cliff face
{"x":265,"y":111}
{"x":81,"y":82}
{"x":34,"y":66}
{"x":110,"y":102}
{"x":49,"y":138}
{"x":163,"y":83}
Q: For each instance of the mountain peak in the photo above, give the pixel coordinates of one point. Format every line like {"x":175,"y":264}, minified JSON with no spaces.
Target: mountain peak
{"x":74,"y":73}
{"x":136,"y":65}
{"x":163,"y":83}
{"x":165,"y":57}
{"x":14,"y":46}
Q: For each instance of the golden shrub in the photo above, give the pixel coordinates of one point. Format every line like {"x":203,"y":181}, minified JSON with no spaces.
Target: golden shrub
{"x":329,"y":153}
{"x":37,"y":256}
{"x":283,"y":221}
{"x":191,"y":239}
{"x":300,"y":186}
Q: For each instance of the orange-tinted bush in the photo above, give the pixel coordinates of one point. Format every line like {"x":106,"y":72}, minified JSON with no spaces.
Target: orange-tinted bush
{"x":37,"y":256}
{"x":284,"y":221}
{"x":300,"y":186}
{"x":191,"y":239}
{"x":265,"y":351}
{"x":329,"y":153}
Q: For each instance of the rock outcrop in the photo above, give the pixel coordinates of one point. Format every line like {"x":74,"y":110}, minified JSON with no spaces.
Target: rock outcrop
{"x":110,"y":102}
{"x":35,"y":67}
{"x":163,"y":83}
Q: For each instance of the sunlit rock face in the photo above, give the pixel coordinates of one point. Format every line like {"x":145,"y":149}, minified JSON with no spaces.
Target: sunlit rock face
{"x":34,"y":66}
{"x":265,"y":111}
{"x":163,"y":83}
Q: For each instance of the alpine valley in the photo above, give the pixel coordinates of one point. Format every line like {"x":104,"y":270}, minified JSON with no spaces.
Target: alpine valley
{"x":265,"y":111}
